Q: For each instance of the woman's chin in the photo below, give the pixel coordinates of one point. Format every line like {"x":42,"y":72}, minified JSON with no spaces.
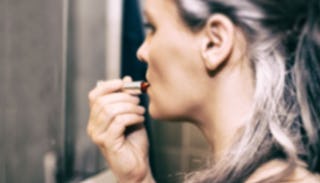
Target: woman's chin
{"x":155,"y":114}
{"x":158,"y":114}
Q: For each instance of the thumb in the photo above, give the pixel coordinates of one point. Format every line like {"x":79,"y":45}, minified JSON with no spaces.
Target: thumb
{"x":127,"y":79}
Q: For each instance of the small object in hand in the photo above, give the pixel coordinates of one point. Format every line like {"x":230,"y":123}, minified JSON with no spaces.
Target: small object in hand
{"x":136,"y":87}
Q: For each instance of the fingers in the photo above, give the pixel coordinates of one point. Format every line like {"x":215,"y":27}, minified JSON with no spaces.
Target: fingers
{"x":104,"y":87}
{"x":114,"y":137}
{"x":113,"y":132}
{"x":110,"y":112}
{"x":116,"y":126}
{"x":127,"y":79}
{"x":101,"y":102}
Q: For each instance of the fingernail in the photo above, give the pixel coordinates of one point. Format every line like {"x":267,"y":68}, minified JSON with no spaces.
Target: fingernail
{"x":143,"y":110}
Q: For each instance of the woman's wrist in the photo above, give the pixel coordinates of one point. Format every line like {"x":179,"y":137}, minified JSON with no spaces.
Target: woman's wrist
{"x":148,"y":178}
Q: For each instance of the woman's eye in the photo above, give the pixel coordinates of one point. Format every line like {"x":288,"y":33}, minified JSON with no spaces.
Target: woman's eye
{"x":148,"y":28}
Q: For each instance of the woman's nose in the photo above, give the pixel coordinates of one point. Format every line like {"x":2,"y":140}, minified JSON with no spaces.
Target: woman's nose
{"x":143,"y":52}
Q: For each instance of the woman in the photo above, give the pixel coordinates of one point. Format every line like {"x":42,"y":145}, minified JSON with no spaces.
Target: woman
{"x":246,"y":73}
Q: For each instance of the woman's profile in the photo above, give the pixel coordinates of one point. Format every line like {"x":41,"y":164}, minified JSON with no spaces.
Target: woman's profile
{"x":245,"y":72}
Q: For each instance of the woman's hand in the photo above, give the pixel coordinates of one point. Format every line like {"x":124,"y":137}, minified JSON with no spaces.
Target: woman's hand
{"x":125,"y":149}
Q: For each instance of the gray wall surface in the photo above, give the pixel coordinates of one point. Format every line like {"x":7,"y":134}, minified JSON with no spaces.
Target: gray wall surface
{"x":31,"y":94}
{"x":2,"y":46}
{"x":86,"y":65}
{"x":44,"y":88}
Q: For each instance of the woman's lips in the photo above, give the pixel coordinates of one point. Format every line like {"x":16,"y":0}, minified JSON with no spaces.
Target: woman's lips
{"x":144,"y":86}
{"x":149,"y":84}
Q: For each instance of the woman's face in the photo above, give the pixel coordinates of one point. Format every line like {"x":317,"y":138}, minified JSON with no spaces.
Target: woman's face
{"x":175,"y":69}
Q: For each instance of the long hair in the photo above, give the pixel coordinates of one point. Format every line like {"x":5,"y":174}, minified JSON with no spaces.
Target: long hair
{"x":284,"y":44}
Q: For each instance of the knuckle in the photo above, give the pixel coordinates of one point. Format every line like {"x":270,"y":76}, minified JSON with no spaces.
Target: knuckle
{"x":111,"y":111}
{"x":137,"y":101}
{"x":100,"y":102}
{"x":140,"y":118}
{"x":96,"y":139}
{"x":118,"y":120}
{"x":91,"y":96}
{"x":89,"y":131}
{"x":101,"y":141}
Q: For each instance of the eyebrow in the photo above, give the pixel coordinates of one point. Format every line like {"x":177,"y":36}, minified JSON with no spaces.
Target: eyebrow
{"x":147,"y":15}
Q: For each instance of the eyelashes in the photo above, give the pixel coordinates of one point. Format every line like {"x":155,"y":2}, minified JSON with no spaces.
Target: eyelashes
{"x":149,"y":28}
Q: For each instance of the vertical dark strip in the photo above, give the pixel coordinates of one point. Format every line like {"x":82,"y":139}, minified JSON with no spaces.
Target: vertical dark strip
{"x":132,"y":38}
{"x":67,"y":158}
{"x":85,"y":64}
{"x":3,"y":60}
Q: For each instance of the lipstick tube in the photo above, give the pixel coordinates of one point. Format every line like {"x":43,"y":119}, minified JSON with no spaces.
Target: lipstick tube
{"x":136,"y":87}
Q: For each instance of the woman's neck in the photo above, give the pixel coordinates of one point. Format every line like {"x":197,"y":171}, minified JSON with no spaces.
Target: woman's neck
{"x":228,"y":107}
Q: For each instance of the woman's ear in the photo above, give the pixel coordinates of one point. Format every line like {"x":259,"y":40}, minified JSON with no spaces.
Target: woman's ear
{"x":218,"y":41}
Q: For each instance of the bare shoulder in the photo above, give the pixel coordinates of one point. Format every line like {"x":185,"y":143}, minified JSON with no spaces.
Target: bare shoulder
{"x":269,"y":169}
{"x":302,"y":175}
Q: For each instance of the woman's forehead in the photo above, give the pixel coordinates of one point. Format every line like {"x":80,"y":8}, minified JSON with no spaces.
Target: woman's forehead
{"x":159,"y":8}
{"x":158,"y":5}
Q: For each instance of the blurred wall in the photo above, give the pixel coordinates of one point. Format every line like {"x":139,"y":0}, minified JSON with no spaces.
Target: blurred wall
{"x":86,"y":65}
{"x":2,"y":70}
{"x":44,"y":87}
{"x":31,"y":95}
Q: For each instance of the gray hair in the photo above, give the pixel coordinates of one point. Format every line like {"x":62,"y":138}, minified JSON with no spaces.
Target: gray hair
{"x":284,"y":54}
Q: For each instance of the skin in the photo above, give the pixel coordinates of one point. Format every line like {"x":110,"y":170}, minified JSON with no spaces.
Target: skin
{"x":217,"y":78}
{"x":201,"y":77}
{"x":111,"y":112}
